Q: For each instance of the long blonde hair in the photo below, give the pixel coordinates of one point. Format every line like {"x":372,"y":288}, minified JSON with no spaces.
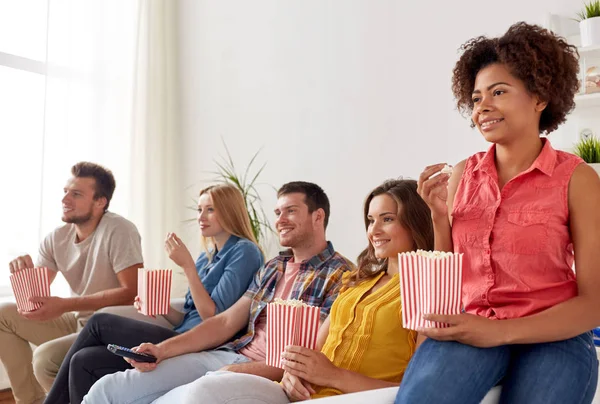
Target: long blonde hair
{"x":233,"y":216}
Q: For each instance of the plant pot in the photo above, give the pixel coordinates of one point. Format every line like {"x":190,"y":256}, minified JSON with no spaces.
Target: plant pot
{"x":590,"y":31}
{"x":595,"y":166}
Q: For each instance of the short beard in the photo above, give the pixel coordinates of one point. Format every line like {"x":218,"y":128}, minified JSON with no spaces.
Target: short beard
{"x":299,"y":241}
{"x":78,"y":219}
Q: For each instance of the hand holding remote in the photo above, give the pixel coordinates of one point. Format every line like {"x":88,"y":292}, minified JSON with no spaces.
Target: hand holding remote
{"x":149,"y":349}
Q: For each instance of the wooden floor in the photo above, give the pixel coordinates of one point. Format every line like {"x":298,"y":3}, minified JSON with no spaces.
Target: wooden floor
{"x":6,"y":397}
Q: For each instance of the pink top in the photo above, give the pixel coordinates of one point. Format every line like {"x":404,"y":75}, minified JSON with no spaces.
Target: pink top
{"x":256,"y":350}
{"x":518,"y":252}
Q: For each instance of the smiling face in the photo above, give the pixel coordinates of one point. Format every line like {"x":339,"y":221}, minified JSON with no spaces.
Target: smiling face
{"x":208,"y":217}
{"x":78,"y":203}
{"x":503,"y":109}
{"x":295,"y":225}
{"x":386,"y":234}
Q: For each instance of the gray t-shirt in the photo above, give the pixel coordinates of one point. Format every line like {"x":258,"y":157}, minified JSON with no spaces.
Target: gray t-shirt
{"x":92,"y":265}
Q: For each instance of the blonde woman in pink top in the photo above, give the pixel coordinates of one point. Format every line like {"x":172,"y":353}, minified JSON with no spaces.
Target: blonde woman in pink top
{"x":522,"y":214}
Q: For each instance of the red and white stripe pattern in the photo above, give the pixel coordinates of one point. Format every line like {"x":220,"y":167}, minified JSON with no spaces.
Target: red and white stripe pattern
{"x":154,"y":291}
{"x":430,"y":283}
{"x":290,"y":325}
{"x":30,"y":282}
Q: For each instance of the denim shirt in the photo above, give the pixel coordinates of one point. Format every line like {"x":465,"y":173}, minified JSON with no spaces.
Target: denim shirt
{"x":225,"y":278}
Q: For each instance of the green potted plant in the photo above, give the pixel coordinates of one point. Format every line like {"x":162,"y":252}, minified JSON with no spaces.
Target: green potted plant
{"x":589,"y":23}
{"x":589,"y":150}
{"x":246,"y":182}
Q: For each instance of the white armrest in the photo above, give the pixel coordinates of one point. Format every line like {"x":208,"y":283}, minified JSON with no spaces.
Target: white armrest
{"x":130,"y":312}
{"x":177,"y":304}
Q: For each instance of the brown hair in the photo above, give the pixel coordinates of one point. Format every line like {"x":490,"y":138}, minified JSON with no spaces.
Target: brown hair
{"x":544,"y":62}
{"x":314,"y":196}
{"x":105,"y":181}
{"x":414,"y":215}
{"x":232,"y":213}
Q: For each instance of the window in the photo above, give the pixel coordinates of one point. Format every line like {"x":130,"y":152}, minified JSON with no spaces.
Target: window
{"x":68,"y":79}
{"x":22,"y":80}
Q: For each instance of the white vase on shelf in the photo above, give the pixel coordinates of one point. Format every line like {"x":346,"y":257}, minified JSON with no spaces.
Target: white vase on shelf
{"x":590,"y":31}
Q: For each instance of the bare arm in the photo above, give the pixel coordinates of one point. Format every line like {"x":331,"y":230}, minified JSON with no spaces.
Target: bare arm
{"x":256,"y":368}
{"x":180,"y":254}
{"x":420,"y":339}
{"x":438,"y":192}
{"x":210,"y":333}
{"x":314,"y":367}
{"x":204,"y":303}
{"x":344,"y":380}
{"x":576,"y":315}
{"x":122,"y":295}
{"x":323,"y":333}
{"x":579,"y":314}
{"x":270,"y":372}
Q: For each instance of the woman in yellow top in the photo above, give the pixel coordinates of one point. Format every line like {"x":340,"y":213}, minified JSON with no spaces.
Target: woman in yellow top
{"x":363,"y":344}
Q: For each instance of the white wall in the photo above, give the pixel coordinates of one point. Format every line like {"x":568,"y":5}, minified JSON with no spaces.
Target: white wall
{"x":343,"y":93}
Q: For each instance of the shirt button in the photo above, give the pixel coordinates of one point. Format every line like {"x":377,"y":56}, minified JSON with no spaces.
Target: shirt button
{"x":483,"y":296}
{"x":490,"y":276}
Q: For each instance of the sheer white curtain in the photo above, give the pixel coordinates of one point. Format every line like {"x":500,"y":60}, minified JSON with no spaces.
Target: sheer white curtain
{"x":109,"y":99}
{"x":156,"y":193}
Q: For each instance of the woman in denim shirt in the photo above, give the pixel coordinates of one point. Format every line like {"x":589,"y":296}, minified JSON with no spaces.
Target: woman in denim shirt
{"x":217,"y":279}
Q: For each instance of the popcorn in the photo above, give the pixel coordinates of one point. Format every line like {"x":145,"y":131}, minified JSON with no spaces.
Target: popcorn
{"x":30,"y":282}
{"x":290,"y":302}
{"x":447,"y":169}
{"x":432,"y":254}
{"x":290,"y":322}
{"x":154,"y":291}
{"x":430,"y":283}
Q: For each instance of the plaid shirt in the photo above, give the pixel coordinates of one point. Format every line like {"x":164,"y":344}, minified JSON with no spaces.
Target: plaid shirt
{"x":317,"y":284}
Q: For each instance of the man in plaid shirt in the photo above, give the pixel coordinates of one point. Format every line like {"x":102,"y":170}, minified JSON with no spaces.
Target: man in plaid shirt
{"x":310,"y":270}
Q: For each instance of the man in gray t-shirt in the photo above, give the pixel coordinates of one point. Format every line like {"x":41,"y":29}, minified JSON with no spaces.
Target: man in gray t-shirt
{"x":98,"y":253}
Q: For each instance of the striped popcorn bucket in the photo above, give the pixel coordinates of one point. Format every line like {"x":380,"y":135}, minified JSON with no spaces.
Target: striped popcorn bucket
{"x":30,"y":282}
{"x":290,"y":325}
{"x":429,"y":285}
{"x":154,"y":291}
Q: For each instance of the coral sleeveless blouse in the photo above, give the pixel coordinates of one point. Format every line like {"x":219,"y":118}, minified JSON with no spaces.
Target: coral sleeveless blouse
{"x":518,"y":252}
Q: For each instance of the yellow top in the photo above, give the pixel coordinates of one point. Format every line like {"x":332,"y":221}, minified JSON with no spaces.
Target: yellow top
{"x":366,"y":334}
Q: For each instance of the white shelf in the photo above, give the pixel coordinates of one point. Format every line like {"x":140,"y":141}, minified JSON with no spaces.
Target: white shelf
{"x":588,"y":100}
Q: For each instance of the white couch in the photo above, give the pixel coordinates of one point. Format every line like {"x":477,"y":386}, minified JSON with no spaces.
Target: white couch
{"x":386,"y":396}
{"x":380,"y":396}
{"x":130,"y":312}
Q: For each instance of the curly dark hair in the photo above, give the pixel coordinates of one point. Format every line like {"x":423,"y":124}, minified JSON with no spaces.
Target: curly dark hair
{"x":543,"y":61}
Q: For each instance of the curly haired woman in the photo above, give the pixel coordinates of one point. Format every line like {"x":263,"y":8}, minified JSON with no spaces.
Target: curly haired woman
{"x":522,"y":214}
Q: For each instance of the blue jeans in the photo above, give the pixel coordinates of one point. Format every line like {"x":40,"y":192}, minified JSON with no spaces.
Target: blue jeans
{"x":88,"y":359}
{"x":134,"y":387}
{"x":560,"y":372}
